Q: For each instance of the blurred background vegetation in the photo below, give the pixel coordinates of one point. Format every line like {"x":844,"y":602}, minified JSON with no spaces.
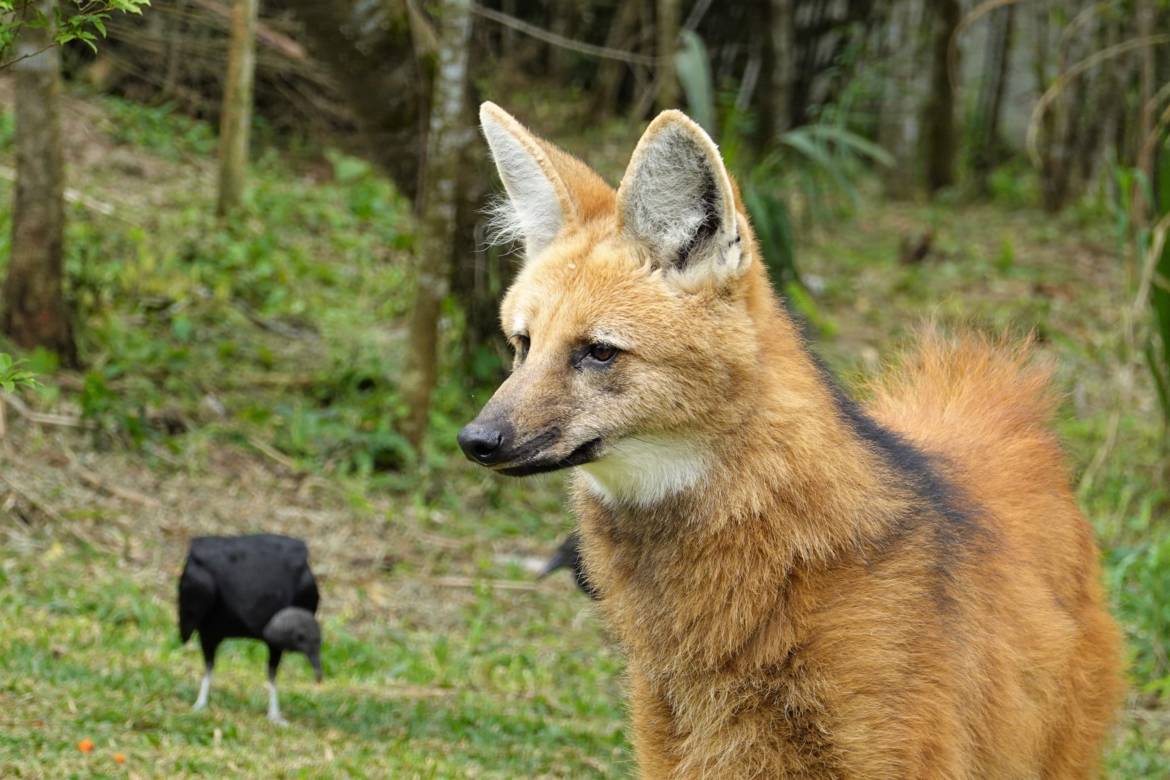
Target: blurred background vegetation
{"x":246,"y":288}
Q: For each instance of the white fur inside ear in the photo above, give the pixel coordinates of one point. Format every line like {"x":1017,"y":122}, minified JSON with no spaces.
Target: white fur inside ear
{"x":677,"y":201}
{"x":644,"y":470}
{"x":532,"y":210}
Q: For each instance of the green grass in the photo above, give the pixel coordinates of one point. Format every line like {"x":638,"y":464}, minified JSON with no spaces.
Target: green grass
{"x":243,"y":377}
{"x":90,"y":653}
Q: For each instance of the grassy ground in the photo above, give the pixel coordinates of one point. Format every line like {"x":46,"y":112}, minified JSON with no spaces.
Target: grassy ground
{"x":241,"y":378}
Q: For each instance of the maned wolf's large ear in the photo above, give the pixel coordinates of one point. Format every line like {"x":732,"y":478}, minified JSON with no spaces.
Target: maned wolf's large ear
{"x":676,"y":199}
{"x":539,"y":203}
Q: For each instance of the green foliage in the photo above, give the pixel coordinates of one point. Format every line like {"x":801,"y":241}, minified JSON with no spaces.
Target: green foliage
{"x":88,"y":21}
{"x":159,"y":129}
{"x":809,"y":172}
{"x":694,"y":74}
{"x":81,"y":20}
{"x":1014,"y":184}
{"x":14,"y":375}
{"x":1158,"y":346}
{"x":1151,"y":246}
{"x":1139,"y":579}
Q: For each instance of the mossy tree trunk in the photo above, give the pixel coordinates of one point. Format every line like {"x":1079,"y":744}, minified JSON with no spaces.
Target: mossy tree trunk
{"x":900,"y":130}
{"x":941,"y":136}
{"x":992,"y":89}
{"x":236,"y":116}
{"x":35,"y":313}
{"x":437,"y":206}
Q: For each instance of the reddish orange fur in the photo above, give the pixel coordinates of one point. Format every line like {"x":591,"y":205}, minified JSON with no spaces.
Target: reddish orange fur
{"x":810,"y":610}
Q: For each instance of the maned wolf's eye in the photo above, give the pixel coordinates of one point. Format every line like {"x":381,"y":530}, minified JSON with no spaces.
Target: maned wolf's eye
{"x":601,"y":353}
{"x":522,"y":344}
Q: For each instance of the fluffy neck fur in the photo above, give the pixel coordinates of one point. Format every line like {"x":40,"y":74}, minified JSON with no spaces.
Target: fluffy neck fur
{"x":794,"y":486}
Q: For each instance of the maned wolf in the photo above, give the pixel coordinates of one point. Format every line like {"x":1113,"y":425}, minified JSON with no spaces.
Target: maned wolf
{"x":805,"y":588}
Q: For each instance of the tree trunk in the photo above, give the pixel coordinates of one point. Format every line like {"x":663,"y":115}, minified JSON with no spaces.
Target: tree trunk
{"x":35,"y":312}
{"x":611,"y":73}
{"x":449,"y":132}
{"x":380,"y":79}
{"x":778,"y":70}
{"x":563,"y":13}
{"x":667,"y":36}
{"x":1145,"y":147}
{"x":941,"y":140}
{"x":901,"y":115}
{"x":236,"y":117}
{"x":992,"y":89}
{"x":1055,"y":125}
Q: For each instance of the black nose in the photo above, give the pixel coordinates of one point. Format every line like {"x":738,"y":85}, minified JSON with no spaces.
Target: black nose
{"x":483,"y":443}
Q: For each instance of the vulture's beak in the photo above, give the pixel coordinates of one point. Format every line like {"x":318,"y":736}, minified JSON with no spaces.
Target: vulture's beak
{"x":315,"y":660}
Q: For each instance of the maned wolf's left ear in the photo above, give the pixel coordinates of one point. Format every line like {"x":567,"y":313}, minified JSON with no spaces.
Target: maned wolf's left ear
{"x":539,"y":203}
{"x":676,"y":199}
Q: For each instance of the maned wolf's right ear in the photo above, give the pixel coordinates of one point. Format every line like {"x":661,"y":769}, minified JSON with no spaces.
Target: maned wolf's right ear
{"x":539,"y":203}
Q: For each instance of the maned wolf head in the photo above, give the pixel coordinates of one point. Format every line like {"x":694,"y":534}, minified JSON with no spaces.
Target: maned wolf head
{"x":631,"y":317}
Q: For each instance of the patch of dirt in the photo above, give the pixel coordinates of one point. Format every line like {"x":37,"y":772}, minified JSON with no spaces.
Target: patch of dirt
{"x":121,"y":180}
{"x":145,"y":508}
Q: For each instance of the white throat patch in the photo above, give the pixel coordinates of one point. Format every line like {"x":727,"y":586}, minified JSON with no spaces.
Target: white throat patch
{"x":645,"y":470}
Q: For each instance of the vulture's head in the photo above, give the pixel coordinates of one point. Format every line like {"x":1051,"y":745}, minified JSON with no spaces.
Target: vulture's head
{"x":296,"y":630}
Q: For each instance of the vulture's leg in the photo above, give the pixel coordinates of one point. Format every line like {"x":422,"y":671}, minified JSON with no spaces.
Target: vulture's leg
{"x":273,"y":704}
{"x":209,"y":648}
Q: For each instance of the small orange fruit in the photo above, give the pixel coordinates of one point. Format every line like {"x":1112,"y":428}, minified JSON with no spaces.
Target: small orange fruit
{"x":120,"y":758}
{"x":85,"y":745}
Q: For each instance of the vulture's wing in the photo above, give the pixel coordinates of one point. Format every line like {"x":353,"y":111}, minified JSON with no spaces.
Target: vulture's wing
{"x":197,"y":594}
{"x":257,"y":576}
{"x":307,"y":596}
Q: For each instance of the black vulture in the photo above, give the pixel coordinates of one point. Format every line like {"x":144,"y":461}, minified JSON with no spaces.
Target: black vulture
{"x":250,"y":587}
{"x":568,"y":556}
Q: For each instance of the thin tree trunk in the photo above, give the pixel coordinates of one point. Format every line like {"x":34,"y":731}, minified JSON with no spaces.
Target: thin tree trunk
{"x":35,"y":311}
{"x":236,"y":117}
{"x":779,"y":69}
{"x":900,"y":131}
{"x":667,"y":36}
{"x":1054,"y":126}
{"x":448,"y":134}
{"x":1145,"y":156}
{"x":996,"y":73}
{"x":611,"y":73}
{"x":563,"y":13}
{"x":1110,"y":105}
{"x":941,"y":140}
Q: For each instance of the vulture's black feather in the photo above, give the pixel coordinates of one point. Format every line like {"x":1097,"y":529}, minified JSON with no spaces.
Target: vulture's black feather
{"x":250,"y":587}
{"x":568,"y":556}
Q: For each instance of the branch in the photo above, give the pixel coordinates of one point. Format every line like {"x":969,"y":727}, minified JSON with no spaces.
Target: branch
{"x":1059,"y":83}
{"x":41,"y":418}
{"x":265,"y":34}
{"x":592,"y":50}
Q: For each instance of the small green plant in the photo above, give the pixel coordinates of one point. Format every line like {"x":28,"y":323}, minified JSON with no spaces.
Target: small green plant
{"x":1152,"y":250}
{"x":1139,"y":576}
{"x":13,"y":375}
